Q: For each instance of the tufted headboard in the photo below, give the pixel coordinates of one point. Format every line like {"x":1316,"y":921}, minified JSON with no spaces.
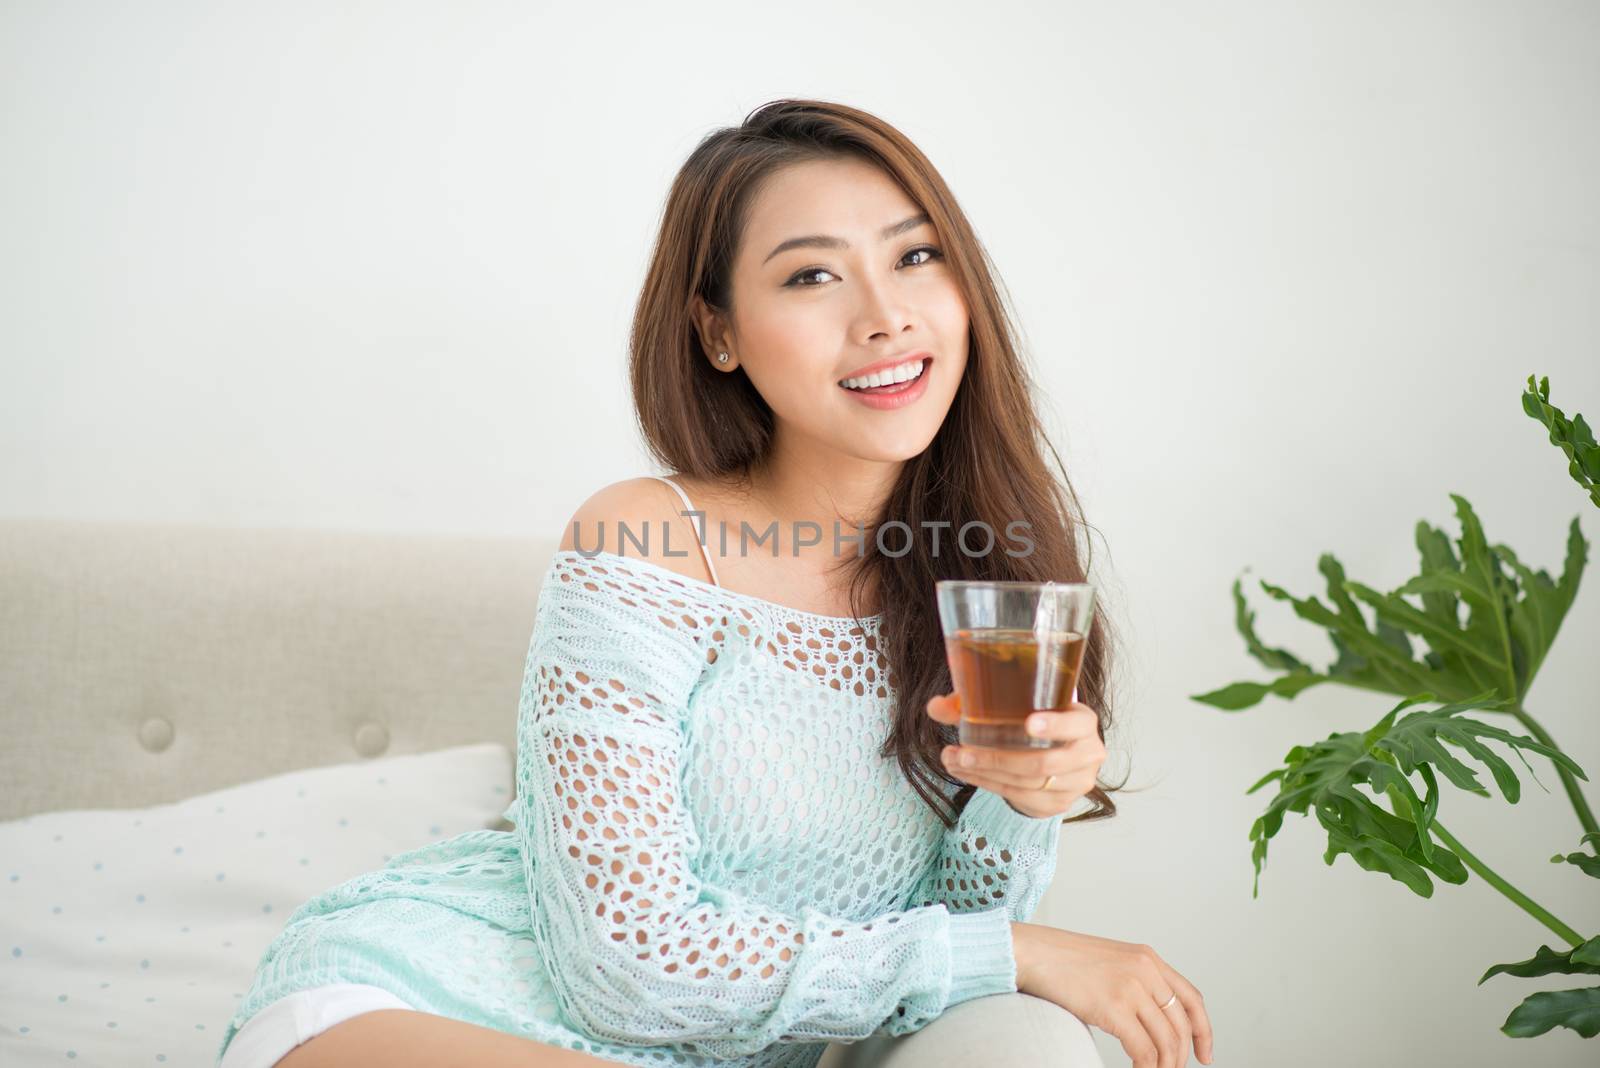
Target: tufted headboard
{"x":143,"y":663}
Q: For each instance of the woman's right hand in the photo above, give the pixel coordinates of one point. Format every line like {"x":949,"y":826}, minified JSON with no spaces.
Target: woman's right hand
{"x":1118,"y":987}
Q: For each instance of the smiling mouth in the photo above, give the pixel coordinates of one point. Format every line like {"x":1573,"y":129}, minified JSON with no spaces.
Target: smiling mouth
{"x":891,"y":387}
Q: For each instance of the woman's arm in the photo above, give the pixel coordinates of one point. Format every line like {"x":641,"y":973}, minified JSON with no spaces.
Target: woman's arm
{"x":994,"y":856}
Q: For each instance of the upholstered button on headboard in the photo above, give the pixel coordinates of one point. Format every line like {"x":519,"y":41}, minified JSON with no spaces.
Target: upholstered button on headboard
{"x":143,"y":663}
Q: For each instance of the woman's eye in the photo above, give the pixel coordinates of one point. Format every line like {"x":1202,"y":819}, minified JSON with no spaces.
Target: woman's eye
{"x":933,"y":254}
{"x":807,"y":273}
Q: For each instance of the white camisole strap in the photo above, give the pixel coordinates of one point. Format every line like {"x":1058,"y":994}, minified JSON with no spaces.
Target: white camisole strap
{"x":688,"y":506}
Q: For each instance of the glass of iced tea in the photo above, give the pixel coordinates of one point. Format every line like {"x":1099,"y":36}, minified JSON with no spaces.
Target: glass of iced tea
{"x":1014,"y":648}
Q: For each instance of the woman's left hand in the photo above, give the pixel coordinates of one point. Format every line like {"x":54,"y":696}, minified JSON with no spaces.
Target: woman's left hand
{"x":1018,"y":774}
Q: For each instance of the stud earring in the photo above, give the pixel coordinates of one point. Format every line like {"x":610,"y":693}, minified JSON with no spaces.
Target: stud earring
{"x":722,"y":357}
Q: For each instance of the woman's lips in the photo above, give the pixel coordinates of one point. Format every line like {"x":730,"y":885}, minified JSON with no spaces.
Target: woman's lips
{"x":900,"y":395}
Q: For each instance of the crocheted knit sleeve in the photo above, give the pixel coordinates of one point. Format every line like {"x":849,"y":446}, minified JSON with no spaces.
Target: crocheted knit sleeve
{"x":642,"y":950}
{"x":993,"y":856}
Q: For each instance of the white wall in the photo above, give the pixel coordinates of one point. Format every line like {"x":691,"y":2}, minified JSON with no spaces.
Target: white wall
{"x":1282,"y":267}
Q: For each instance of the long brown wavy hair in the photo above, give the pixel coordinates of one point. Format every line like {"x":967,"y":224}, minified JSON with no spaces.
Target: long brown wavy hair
{"x":986,"y":462}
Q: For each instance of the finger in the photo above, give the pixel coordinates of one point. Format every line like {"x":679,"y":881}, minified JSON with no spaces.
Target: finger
{"x":1020,"y":797}
{"x":992,"y":782}
{"x":1079,"y":721}
{"x":1159,"y":1024}
{"x":1194,"y":1007}
{"x":945,"y":708}
{"x":1010,"y":793}
{"x":1137,"y":1042}
{"x":1025,"y":767}
{"x":1179,"y":1015}
{"x":1014,"y":784}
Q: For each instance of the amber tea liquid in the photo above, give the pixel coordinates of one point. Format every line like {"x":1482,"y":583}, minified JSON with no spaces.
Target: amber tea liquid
{"x":1002,"y":675}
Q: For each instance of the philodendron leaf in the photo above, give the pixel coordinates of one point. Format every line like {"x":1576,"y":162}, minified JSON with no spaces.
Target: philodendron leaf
{"x":1244,"y":694}
{"x":1484,"y":619}
{"x":1416,"y":741}
{"x":1366,"y":660}
{"x":1433,"y":546}
{"x":1575,"y":960}
{"x":1587,"y":863}
{"x":1578,"y":1010}
{"x":1244,"y":619}
{"x":1537,"y":615}
{"x":1572,"y":436}
{"x":1538,"y":1013}
{"x":1326,"y":776}
{"x":1481,"y":648}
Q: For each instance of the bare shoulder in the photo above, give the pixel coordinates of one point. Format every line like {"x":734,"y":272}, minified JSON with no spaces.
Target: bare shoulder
{"x":645,"y":507}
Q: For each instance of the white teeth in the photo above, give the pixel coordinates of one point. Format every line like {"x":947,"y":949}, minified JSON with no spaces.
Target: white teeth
{"x":903,"y":373}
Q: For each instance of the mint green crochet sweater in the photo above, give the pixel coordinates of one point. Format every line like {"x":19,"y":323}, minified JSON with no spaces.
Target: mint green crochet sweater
{"x":711,"y":863}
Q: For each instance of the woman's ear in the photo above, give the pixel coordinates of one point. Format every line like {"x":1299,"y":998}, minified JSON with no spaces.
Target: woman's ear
{"x":713,"y":334}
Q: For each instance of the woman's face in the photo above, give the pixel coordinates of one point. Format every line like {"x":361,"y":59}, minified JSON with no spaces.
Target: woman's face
{"x":865,"y":283}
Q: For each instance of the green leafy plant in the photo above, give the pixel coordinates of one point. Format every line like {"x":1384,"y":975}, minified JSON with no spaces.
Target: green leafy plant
{"x":1573,"y":437}
{"x":1469,"y":633}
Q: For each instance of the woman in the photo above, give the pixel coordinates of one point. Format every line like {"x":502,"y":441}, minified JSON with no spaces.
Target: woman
{"x":741,"y":833}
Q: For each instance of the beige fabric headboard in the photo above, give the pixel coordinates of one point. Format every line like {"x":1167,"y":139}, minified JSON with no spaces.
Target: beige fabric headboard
{"x":144,"y":663}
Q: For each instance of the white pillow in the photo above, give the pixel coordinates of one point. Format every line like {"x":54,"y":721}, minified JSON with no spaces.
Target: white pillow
{"x":129,"y":936}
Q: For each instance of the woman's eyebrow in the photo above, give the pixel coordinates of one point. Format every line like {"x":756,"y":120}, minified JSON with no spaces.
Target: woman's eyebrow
{"x":823,"y":241}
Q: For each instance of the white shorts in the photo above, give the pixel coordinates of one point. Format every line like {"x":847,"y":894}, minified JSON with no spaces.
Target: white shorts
{"x":271,"y":1033}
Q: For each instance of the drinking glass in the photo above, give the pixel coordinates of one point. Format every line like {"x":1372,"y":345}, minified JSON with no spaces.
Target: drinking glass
{"x":1013,"y":648}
